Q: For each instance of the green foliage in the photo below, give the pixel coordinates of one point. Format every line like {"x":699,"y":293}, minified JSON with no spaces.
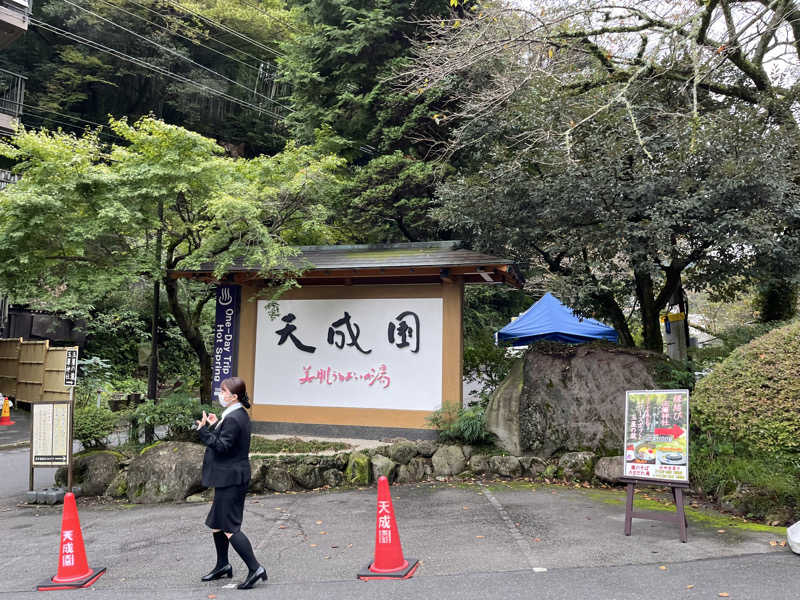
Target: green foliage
{"x":78,"y":227}
{"x":92,"y":425}
{"x":466,"y":425}
{"x":776,"y":301}
{"x":487,"y":309}
{"x":339,"y":68}
{"x":755,"y":485}
{"x":176,"y":412}
{"x":77,"y":81}
{"x":751,"y":401}
{"x":671,"y":375}
{"x":293,"y":445}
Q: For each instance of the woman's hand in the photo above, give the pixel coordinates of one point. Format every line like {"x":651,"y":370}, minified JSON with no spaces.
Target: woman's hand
{"x":204,"y":420}
{"x":211,"y":418}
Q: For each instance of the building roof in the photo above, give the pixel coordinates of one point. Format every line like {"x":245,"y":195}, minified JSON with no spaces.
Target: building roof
{"x":413,"y":262}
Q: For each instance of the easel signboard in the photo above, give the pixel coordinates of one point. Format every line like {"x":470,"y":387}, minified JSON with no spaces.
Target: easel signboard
{"x":657,"y":449}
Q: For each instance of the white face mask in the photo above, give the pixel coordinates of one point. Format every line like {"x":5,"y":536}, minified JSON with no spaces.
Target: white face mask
{"x":225,"y":400}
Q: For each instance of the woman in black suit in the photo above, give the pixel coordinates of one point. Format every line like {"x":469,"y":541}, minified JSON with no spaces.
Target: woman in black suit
{"x":226,"y":468}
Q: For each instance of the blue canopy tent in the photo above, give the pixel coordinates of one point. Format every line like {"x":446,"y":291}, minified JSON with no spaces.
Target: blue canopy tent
{"x":549,"y":319}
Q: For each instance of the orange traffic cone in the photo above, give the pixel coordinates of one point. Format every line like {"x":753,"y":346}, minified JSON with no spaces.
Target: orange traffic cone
{"x":389,"y":562}
{"x":5,"y":416}
{"x":73,"y":569}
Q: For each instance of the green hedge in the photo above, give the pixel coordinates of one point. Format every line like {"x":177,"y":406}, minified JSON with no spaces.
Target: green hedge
{"x":751,"y":401}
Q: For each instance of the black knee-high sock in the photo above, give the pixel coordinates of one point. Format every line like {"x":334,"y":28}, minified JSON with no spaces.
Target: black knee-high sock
{"x":221,"y":544}
{"x":243,"y":548}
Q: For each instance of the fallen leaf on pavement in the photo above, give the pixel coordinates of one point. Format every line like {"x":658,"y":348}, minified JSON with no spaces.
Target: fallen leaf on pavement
{"x":537,"y":540}
{"x":323,"y":533}
{"x":783,"y":544}
{"x":313,"y":545}
{"x":211,"y":596}
{"x":663,"y":568}
{"x":281,"y":526}
{"x":723,"y":594}
{"x":773,"y":543}
{"x":720,"y":531}
{"x":319,"y":522}
{"x":690,"y":586}
{"x":480,"y":537}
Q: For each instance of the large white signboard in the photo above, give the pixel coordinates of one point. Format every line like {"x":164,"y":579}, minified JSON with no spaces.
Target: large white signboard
{"x":50,"y":434}
{"x":377,"y":353}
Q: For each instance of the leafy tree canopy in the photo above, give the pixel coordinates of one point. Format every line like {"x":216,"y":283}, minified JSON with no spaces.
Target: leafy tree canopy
{"x":83,"y":218}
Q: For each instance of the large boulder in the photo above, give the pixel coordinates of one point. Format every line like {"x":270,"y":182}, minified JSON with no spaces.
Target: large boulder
{"x":426,"y":448}
{"x":383,"y":467}
{"x":258,"y":467}
{"x":578,"y":465}
{"x":277,"y":479}
{"x":417,"y":469}
{"x":448,"y":460}
{"x":402,"y":452}
{"x":332,"y":477}
{"x":307,"y":476}
{"x":560,"y":397}
{"x":609,"y":468}
{"x":93,"y":471}
{"x":532,"y":466}
{"x":479,"y":463}
{"x":505,"y":466}
{"x":166,"y":472}
{"x":358,"y":469}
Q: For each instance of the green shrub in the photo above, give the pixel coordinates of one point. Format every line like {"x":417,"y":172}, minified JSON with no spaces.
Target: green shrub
{"x":751,"y":400}
{"x":466,"y":425}
{"x":176,"y":412}
{"x":753,"y":485}
{"x":92,"y":425}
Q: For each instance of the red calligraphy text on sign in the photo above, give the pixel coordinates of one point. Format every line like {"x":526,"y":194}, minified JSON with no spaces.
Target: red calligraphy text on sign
{"x":330,"y":376}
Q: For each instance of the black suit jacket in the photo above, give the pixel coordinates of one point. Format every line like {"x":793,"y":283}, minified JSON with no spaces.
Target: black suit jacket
{"x":226,"y":460}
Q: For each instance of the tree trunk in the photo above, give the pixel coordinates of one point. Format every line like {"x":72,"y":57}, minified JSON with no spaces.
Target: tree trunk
{"x":192,"y":334}
{"x":614,"y":312}
{"x":649,"y":310}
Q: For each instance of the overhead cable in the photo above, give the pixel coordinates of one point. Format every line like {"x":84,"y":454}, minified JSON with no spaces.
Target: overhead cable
{"x":175,"y":53}
{"x":269,"y":16}
{"x":225,"y":28}
{"x":195,"y":29}
{"x":140,"y":62}
{"x":176,"y":34}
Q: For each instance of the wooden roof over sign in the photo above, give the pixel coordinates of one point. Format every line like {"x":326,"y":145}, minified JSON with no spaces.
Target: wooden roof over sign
{"x":414,"y":262}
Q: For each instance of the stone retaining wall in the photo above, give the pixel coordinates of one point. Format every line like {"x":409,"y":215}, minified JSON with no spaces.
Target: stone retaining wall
{"x":170,"y":471}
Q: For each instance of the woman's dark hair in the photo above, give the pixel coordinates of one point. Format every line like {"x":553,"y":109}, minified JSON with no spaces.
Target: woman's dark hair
{"x":235,"y":385}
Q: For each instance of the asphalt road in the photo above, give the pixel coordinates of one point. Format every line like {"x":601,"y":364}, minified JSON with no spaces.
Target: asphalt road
{"x":474,"y":541}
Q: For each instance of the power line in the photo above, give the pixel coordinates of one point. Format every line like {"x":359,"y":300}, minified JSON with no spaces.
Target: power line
{"x":54,"y":112}
{"x":269,"y":16}
{"x":175,"y":53}
{"x":175,"y":33}
{"x":195,"y":29}
{"x":72,"y":125}
{"x":225,"y":28}
{"x":138,"y":61}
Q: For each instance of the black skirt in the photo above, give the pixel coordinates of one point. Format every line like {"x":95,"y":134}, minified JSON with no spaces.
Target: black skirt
{"x":227,"y":508}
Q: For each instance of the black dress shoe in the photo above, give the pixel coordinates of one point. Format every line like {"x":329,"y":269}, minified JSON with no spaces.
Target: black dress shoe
{"x":226,"y":571}
{"x":252,"y":578}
